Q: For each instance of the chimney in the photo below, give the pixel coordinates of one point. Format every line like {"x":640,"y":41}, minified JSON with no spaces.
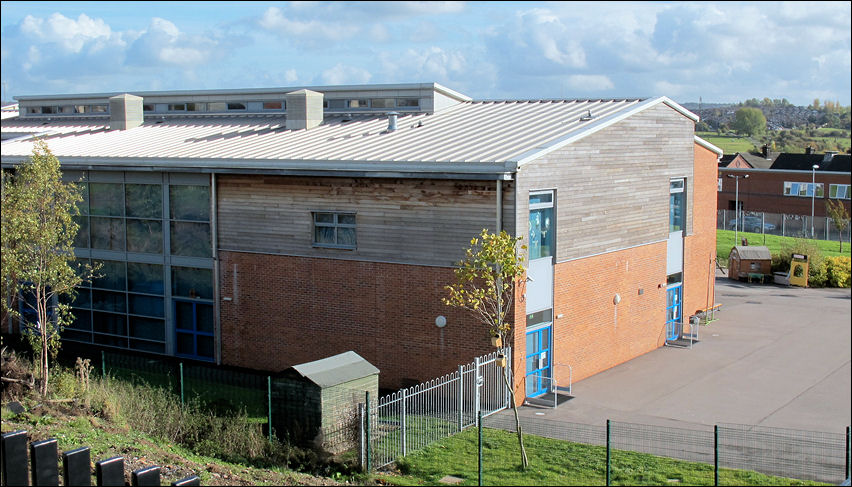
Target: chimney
{"x":765,"y":151}
{"x":829,"y":155}
{"x":392,"y":121}
{"x":809,"y":150}
{"x":304,"y":109}
{"x":125,"y":112}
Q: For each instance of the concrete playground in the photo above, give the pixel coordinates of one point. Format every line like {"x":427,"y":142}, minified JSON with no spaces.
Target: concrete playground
{"x":777,"y":356}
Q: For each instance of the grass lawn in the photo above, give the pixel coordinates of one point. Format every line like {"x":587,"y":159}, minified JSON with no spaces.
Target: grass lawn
{"x":728,"y":144}
{"x":555,"y":462}
{"x":725,"y":241}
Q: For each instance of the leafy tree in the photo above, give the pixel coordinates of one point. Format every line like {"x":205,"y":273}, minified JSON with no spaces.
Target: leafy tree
{"x":485,"y":282}
{"x":749,"y":121}
{"x":38,"y":231}
{"x":839,"y":217}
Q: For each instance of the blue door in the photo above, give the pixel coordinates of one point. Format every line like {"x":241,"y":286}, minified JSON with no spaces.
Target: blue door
{"x":674,"y":310}
{"x":194,"y":329}
{"x":538,"y":361}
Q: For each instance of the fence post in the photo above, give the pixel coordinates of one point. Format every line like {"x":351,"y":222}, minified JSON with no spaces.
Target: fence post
{"x":103,"y":364}
{"x":269,"y":406}
{"x":461,"y":397}
{"x":402,"y":419}
{"x":367,"y":449}
{"x":361,"y":458}
{"x":479,"y":422}
{"x":477,"y":383}
{"x":608,"y":454}
{"x":181,"y":383}
{"x":715,"y":454}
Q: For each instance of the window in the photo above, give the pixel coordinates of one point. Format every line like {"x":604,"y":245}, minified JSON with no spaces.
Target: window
{"x":335,"y":230}
{"x":272,"y":105}
{"x":676,"y":205}
{"x":359,"y":103}
{"x":839,"y":191}
{"x":383,"y":102}
{"x":408,"y":102}
{"x":719,"y":185}
{"x":100,"y":108}
{"x":148,"y":107}
{"x":177,"y":107}
{"x":803,"y":189}
{"x":542,"y":226}
{"x":217,"y":106}
{"x":236,"y":106}
{"x":335,"y":104}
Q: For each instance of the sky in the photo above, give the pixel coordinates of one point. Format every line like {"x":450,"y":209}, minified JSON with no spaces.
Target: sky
{"x":719,"y":52}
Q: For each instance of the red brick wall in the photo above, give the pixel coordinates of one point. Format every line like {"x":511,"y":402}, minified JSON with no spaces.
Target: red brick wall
{"x":764,"y":191}
{"x":699,"y":248}
{"x":589,"y":336}
{"x":290,"y":310}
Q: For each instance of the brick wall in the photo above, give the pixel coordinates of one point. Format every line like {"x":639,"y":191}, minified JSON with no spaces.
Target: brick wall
{"x":764,"y":191}
{"x":287,"y":310}
{"x":590,"y":336}
{"x":699,"y":247}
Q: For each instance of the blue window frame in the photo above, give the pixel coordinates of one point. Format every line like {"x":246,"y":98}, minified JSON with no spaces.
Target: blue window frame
{"x":537,"y":361}
{"x":194,"y":329}
{"x":674,"y":310}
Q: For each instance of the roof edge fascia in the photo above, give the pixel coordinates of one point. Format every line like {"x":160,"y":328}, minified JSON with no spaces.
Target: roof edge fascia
{"x":600,"y":125}
{"x":499,"y":170}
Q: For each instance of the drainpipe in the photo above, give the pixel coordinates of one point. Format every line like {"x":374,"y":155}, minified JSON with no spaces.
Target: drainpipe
{"x":214,"y":231}
{"x":499,"y":206}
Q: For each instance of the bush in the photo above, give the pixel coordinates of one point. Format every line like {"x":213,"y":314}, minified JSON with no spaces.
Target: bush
{"x":838,"y":271}
{"x":781,"y":262}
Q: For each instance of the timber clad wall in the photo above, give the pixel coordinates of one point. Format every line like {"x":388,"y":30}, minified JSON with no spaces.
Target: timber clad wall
{"x":699,"y":247}
{"x":592,"y":337}
{"x":289,"y":310}
{"x":612,"y":187}
{"x":427,"y":222}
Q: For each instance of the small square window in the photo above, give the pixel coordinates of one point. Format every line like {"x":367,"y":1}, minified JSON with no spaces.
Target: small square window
{"x":334,"y":230}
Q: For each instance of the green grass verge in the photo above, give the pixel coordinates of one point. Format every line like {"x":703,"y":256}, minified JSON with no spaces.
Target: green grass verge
{"x":725,"y":242}
{"x":728,"y":144}
{"x":555,"y":462}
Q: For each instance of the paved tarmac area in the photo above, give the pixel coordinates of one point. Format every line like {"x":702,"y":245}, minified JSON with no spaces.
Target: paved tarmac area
{"x":777,"y":356}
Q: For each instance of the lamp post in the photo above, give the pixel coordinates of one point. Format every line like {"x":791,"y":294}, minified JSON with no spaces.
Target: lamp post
{"x":813,"y":195}
{"x":737,"y":204}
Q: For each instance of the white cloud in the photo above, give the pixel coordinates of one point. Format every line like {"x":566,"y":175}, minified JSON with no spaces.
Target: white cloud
{"x":275,"y":21}
{"x":589,"y":82}
{"x":69,"y":34}
{"x":290,"y":76}
{"x":162,"y":43}
{"x":342,"y":74}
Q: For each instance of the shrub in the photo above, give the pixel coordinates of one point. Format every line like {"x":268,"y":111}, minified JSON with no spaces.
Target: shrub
{"x":816,"y":272}
{"x":838,"y":271}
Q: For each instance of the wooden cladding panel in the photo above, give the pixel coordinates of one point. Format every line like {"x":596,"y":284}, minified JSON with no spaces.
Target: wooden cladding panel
{"x":612,"y":187}
{"x":427,"y":222}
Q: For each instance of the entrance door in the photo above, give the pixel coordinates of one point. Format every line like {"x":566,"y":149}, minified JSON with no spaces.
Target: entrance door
{"x":538,"y":361}
{"x":674,"y":310}
{"x":193,"y":329}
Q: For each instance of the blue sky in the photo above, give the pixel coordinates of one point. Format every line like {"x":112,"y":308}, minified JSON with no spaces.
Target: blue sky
{"x":721,"y":52}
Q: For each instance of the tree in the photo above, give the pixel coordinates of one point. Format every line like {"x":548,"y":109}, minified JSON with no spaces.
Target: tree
{"x":749,"y":121}
{"x":485,"y":283}
{"x":38,"y":231}
{"x":839,"y":217}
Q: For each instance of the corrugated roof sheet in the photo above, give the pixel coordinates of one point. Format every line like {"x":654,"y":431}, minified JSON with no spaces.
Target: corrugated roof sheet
{"x":470,"y":132}
{"x":336,"y":370}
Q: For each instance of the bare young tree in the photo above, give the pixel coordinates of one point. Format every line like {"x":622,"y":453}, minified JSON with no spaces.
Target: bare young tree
{"x":839,"y":217}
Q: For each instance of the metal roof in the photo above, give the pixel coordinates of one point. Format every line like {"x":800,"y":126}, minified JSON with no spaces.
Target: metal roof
{"x":752,"y":252}
{"x":470,"y":136}
{"x":336,"y":370}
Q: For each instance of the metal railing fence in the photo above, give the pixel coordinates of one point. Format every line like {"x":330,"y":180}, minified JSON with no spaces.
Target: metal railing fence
{"x":782,"y":225}
{"x":414,"y":418}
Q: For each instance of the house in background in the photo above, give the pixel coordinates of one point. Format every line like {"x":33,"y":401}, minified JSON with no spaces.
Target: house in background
{"x":788,"y":184}
{"x":268,"y":228}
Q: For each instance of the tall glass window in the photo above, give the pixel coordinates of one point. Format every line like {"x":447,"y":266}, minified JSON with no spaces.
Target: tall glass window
{"x":542,"y":226}
{"x":676,"y":205}
{"x":128,"y":304}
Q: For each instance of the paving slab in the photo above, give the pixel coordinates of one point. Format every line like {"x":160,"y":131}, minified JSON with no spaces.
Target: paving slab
{"x":777,"y":356}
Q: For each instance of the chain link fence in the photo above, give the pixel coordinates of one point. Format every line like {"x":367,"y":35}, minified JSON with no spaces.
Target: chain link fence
{"x":782,"y":225}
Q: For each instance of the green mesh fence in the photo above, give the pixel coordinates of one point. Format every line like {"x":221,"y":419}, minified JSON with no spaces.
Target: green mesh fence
{"x":805,"y":455}
{"x":223,"y":391}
